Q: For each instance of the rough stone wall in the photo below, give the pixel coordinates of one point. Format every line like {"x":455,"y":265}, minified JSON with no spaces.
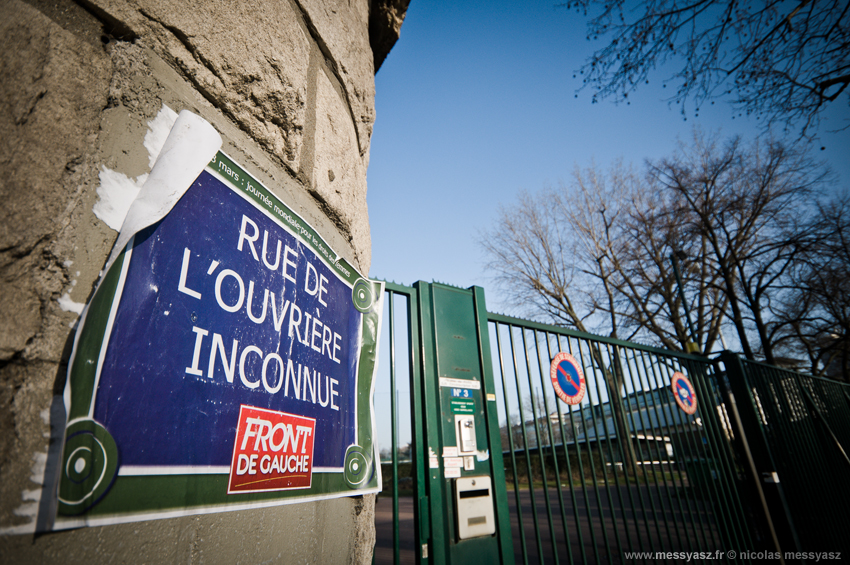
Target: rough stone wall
{"x":290,"y":86}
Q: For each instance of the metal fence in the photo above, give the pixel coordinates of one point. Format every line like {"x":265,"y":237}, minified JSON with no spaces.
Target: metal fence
{"x":623,"y":471}
{"x":626,"y":469}
{"x":803,"y":423}
{"x":398,"y":404}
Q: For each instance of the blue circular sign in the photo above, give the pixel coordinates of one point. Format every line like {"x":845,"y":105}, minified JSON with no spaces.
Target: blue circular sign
{"x":567,"y":378}
{"x":683,"y":393}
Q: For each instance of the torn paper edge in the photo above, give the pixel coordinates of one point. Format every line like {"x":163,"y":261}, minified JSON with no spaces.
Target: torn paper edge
{"x":190,"y":145}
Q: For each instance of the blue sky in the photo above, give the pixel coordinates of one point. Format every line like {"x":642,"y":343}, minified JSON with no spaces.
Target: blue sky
{"x":476,"y":101}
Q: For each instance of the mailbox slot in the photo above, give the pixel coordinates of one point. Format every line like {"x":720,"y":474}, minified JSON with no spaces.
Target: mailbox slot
{"x":474,"y":507}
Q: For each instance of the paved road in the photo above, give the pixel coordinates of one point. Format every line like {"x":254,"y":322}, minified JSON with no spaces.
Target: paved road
{"x":601,"y":537}
{"x":384,"y":529}
{"x":661,"y":520}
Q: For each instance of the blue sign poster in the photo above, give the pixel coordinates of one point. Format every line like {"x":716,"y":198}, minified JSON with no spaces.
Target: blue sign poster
{"x":226,"y":361}
{"x":567,"y":378}
{"x":683,"y":393}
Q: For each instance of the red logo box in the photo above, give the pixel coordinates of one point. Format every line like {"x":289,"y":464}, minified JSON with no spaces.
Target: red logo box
{"x":273,"y":451}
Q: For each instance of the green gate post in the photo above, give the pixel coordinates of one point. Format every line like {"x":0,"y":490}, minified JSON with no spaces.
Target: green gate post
{"x":455,"y":346}
{"x":500,"y":491}
{"x":753,"y":446}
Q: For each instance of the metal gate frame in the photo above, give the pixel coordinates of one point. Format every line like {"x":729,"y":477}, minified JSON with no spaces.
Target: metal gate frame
{"x":421,"y":518}
{"x":430,"y":498}
{"x":694,"y":530}
{"x":798,"y":428}
{"x":711,"y":499}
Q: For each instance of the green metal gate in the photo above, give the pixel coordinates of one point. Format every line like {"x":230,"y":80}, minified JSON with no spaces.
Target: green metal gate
{"x":441,"y":330}
{"x":624,"y":475}
{"x":798,"y":427}
{"x":624,"y":471}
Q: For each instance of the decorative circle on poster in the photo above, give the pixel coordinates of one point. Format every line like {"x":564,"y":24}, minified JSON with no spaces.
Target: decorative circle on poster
{"x":91,"y":463}
{"x":683,"y":392}
{"x":362,"y":296}
{"x":567,"y":378}
{"x":357,"y":466}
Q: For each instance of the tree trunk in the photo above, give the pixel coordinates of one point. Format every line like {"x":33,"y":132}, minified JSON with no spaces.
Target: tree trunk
{"x":614,"y":382}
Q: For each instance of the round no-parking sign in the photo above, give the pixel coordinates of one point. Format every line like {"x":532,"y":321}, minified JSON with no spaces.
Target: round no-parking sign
{"x":683,"y":392}
{"x":567,"y":378}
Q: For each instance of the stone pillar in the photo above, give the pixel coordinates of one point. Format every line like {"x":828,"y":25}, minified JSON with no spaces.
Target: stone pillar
{"x":87,"y":90}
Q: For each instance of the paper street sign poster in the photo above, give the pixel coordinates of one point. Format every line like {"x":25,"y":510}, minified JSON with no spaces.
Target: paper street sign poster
{"x":226,"y":361}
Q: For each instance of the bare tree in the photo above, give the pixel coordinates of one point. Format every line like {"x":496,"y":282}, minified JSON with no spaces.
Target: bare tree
{"x":649,"y":297}
{"x":759,"y":254}
{"x":749,"y":203}
{"x":784,"y":61}
{"x":594,"y":255}
{"x":575,"y":255}
{"x":816,"y":310}
{"x":547,"y":266}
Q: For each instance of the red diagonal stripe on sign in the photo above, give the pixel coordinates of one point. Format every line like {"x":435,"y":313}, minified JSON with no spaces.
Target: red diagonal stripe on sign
{"x":569,"y":378}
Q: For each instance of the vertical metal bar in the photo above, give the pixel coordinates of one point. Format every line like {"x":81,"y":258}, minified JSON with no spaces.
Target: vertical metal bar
{"x":599,"y":448}
{"x":698,"y":487}
{"x":657,"y":431}
{"x":632,"y":497}
{"x":788,"y":438}
{"x":748,"y":462}
{"x":394,"y":426}
{"x":641,"y":405}
{"x":831,"y":392}
{"x":722,"y":503}
{"x":813,"y":463}
{"x":723,"y":514}
{"x":421,"y":508}
{"x":547,"y":502}
{"x":816,"y":463}
{"x":491,"y":412}
{"x":684,"y":447}
{"x":826,"y":454}
{"x":608,"y":442}
{"x":544,"y":388}
{"x":834,"y":414}
{"x":569,"y":466}
{"x":581,"y":465}
{"x":822,"y":415}
{"x":713,"y":498}
{"x":800,"y":441}
{"x":664,"y":398}
{"x":753,"y":412}
{"x":643,"y":466}
{"x":608,"y":388}
{"x":834,"y":455}
{"x":822,"y":446}
{"x":511,"y":443}
{"x":438,"y":499}
{"x":741,"y":525}
{"x":540,"y":447}
{"x":527,"y":451}
{"x":635,"y":470}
